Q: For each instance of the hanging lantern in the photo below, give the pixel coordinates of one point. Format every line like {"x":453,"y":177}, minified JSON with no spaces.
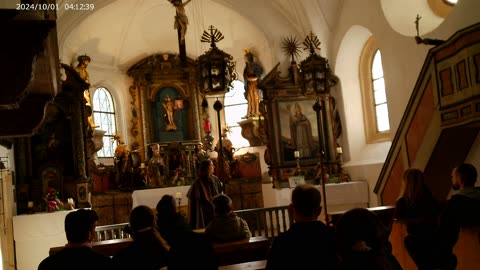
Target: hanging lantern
{"x":215,"y":68}
{"x":317,"y":77}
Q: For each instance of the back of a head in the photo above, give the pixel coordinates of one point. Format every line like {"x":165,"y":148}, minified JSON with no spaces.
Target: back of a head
{"x":142,"y":219}
{"x":414,"y":186}
{"x":78,"y":225}
{"x":359,"y":224}
{"x":204,"y":168}
{"x":306,"y":200}
{"x":222,"y":204}
{"x":166,"y":208}
{"x":467,"y":173}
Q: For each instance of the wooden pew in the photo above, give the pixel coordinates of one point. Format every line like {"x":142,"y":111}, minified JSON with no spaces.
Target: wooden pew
{"x":467,"y":248}
{"x":255,"y":265}
{"x":107,"y":247}
{"x":247,"y":250}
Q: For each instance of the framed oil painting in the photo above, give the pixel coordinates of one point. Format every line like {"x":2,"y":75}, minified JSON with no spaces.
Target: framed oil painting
{"x":297,"y":130}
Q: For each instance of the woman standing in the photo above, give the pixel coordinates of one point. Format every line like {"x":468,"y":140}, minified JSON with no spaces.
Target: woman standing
{"x":419,"y":211}
{"x":200,"y":195}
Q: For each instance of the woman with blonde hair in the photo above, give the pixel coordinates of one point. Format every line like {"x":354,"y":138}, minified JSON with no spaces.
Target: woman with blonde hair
{"x":419,"y":211}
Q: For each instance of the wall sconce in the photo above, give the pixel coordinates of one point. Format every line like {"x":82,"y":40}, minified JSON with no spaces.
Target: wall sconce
{"x":215,"y":72}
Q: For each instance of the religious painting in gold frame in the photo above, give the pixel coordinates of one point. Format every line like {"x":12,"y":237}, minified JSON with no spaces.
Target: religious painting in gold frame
{"x":297,"y":130}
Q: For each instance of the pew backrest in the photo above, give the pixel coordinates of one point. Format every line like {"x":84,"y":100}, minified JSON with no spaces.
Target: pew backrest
{"x":267,"y":222}
{"x":106,"y":247}
{"x":246,"y":250}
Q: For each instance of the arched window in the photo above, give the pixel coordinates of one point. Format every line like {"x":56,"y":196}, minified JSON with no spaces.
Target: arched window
{"x":235,"y":108}
{"x":375,"y":107}
{"x":104,"y":117}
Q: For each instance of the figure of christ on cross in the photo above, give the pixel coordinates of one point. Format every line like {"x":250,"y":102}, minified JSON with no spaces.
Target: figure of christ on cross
{"x":181,"y":23}
{"x":181,"y":19}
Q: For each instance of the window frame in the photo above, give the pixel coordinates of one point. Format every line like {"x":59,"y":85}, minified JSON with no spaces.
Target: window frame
{"x":366,"y":84}
{"x":237,"y":126}
{"x":114,"y":114}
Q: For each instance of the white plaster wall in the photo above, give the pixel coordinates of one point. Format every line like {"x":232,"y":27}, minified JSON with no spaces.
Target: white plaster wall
{"x":402,"y":60}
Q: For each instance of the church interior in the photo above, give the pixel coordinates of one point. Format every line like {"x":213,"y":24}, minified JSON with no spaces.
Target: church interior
{"x":112,"y":103}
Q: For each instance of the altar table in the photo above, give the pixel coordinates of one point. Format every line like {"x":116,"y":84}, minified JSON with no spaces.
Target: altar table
{"x":150,"y":197}
{"x":35,"y":234}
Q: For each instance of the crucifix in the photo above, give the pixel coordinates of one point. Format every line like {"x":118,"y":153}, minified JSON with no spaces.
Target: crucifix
{"x":181,"y":23}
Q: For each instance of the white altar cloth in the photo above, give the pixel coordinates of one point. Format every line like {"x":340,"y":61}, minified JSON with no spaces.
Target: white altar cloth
{"x":35,"y":234}
{"x":150,"y":197}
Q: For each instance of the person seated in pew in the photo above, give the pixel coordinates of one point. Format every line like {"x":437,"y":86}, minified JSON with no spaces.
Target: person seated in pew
{"x":461,"y":211}
{"x":170,"y":222}
{"x":308,"y":243}
{"x":419,"y":211}
{"x":77,"y":254}
{"x":361,"y":241}
{"x":188,"y":249}
{"x":148,"y":250}
{"x":226,"y":226}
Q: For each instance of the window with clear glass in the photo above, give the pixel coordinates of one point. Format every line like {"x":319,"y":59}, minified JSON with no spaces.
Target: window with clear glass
{"x":380,"y":97}
{"x":375,"y":107}
{"x":104,"y":118}
{"x":235,"y":106}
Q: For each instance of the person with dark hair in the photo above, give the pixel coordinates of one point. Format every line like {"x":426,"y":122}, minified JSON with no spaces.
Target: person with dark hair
{"x":362,"y":242}
{"x":308,"y":243}
{"x":188,"y":249}
{"x":77,"y":254}
{"x":461,"y":211}
{"x":200,"y":195}
{"x":419,"y":211}
{"x":148,"y":250}
{"x":170,"y":222}
{"x":226,"y":225}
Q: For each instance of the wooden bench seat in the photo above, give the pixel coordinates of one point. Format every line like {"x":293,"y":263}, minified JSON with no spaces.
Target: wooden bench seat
{"x":107,"y":247}
{"x":254,"y":265}
{"x":467,"y":248}
{"x":246,"y":250}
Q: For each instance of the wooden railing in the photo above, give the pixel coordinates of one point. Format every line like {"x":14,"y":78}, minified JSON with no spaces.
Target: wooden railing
{"x":268,"y":222}
{"x":111,"y":232}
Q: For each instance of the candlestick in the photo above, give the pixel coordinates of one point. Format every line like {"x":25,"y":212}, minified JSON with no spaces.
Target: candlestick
{"x":296,"y":154}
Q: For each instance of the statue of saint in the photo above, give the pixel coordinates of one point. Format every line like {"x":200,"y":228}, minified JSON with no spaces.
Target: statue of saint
{"x":156,"y":168}
{"x":81,"y":68}
{"x":169,"y":114}
{"x":251,"y":75}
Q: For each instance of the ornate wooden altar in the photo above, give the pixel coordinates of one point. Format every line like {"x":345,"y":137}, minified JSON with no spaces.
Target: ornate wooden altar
{"x":158,"y":80}
{"x":292,"y":126}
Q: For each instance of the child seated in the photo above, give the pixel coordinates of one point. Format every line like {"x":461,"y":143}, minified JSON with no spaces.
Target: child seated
{"x":226,"y":226}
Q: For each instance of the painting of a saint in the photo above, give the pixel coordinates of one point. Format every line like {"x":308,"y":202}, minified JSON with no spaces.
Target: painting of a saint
{"x":300,"y":131}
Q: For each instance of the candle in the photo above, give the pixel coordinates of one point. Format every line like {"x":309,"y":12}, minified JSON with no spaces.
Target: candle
{"x":142,"y":165}
{"x":30,"y":204}
{"x":296,"y":154}
{"x":207,"y":126}
{"x":339,"y":150}
{"x":178,"y":195}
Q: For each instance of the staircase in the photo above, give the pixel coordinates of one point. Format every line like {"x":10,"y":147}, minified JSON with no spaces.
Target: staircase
{"x":442,"y":118}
